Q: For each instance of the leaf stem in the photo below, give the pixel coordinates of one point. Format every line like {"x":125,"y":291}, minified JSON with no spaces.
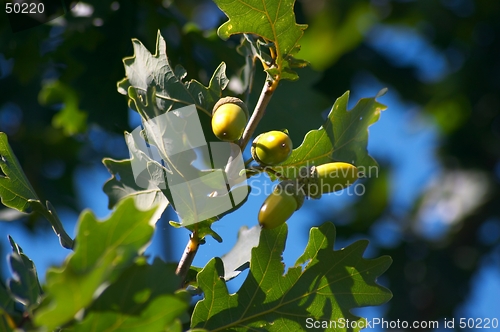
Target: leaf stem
{"x":247,"y":162}
{"x":188,"y":257}
{"x":258,"y":112}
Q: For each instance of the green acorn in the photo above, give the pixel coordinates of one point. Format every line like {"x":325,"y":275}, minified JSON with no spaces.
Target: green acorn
{"x":229,"y":118}
{"x":271,"y":148}
{"x":278,"y":207}
{"x":331,"y":177}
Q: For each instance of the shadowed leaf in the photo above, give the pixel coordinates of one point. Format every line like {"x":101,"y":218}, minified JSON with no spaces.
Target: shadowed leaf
{"x":144,"y":70}
{"x":24,"y":287}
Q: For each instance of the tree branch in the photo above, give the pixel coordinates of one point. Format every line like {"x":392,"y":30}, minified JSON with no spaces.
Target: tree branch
{"x":188,"y":257}
{"x":194,"y":241}
{"x":258,"y":112}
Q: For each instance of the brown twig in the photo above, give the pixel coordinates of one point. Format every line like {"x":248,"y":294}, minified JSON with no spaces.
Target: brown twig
{"x":188,"y":257}
{"x":258,"y":112}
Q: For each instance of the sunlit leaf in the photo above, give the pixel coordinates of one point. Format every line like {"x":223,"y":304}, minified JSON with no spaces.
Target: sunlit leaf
{"x":327,"y":288}
{"x":343,"y":137}
{"x":15,"y":189}
{"x":270,"y":19}
{"x":102,"y":249}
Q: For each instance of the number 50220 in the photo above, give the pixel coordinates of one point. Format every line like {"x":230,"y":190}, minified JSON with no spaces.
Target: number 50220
{"x":479,"y":323}
{"x":24,"y":8}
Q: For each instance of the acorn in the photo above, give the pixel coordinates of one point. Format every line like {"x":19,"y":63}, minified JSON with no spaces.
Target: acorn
{"x":278,"y":207}
{"x":271,"y":148}
{"x":331,"y":177}
{"x":229,"y":118}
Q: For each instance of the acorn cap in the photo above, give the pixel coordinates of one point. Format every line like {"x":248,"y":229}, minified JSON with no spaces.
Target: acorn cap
{"x":231,"y":100}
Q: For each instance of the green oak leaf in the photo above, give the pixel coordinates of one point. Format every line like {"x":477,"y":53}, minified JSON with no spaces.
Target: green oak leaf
{"x":272,"y":20}
{"x":151,"y":184}
{"x":49,"y":212}
{"x":24,"y":287}
{"x":137,"y":286}
{"x":15,"y":189}
{"x":160,"y":315}
{"x":102,"y":249}
{"x":123,"y":183}
{"x":143,"y":298}
{"x":17,"y":193}
{"x":252,"y":49}
{"x":144,"y":70}
{"x":331,"y":284}
{"x":343,"y":137}
{"x":238,"y":258}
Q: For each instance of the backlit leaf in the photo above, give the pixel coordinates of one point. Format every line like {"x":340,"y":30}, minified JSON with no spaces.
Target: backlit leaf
{"x":102,"y":249}
{"x":15,"y":189}
{"x":272,"y":20}
{"x":331,"y":284}
{"x":343,"y":137}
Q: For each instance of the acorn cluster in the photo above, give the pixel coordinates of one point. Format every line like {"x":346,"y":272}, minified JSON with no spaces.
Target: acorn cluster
{"x":312,"y":182}
{"x":229,"y":119}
